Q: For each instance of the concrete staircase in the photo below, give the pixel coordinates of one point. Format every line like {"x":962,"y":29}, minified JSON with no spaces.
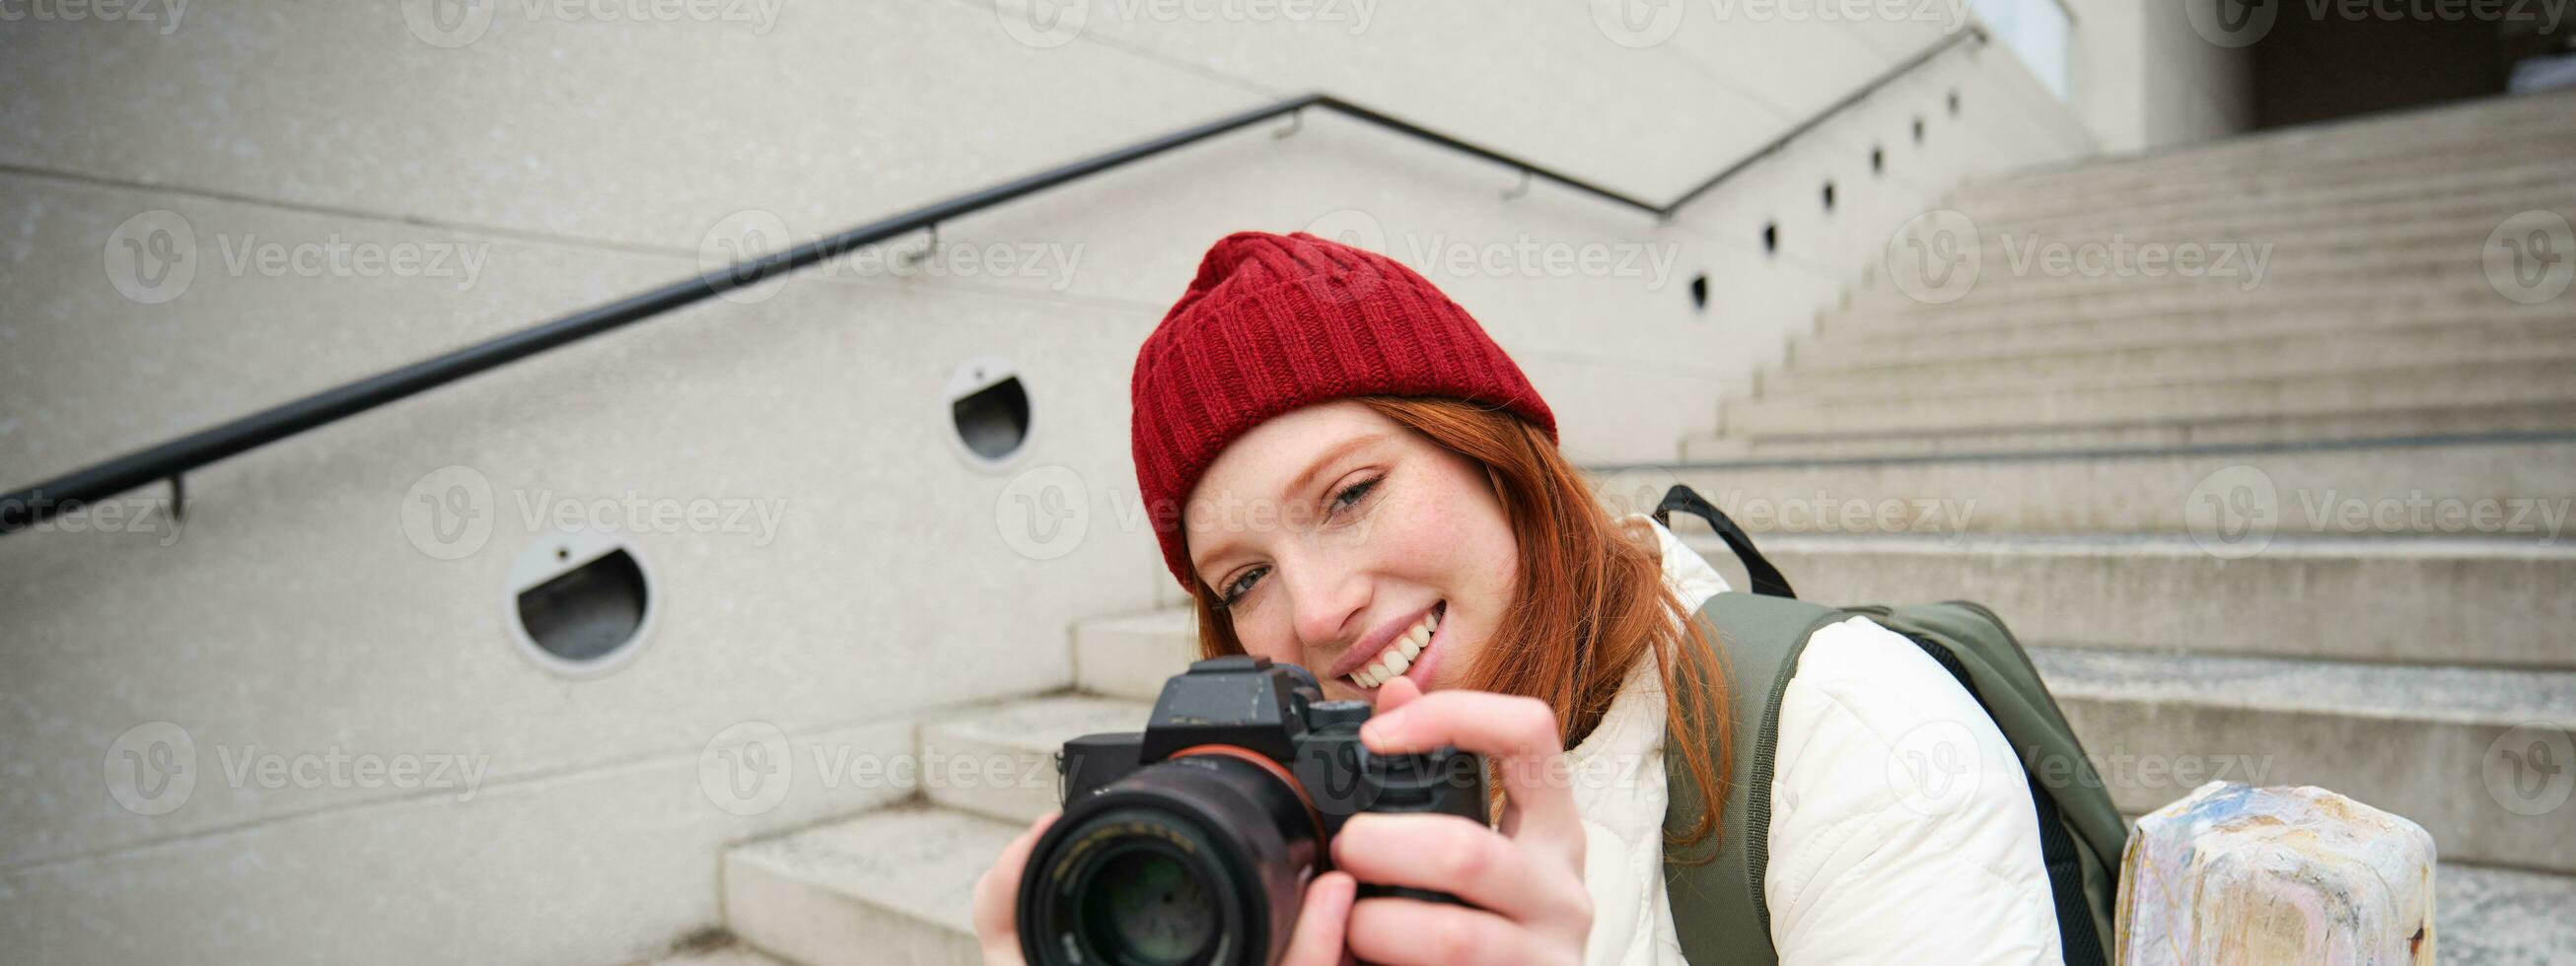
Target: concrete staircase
{"x":2240,"y":523}
{"x":2153,"y":478}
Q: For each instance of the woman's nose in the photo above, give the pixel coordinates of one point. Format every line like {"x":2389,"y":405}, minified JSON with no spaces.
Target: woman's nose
{"x":1328,"y":604}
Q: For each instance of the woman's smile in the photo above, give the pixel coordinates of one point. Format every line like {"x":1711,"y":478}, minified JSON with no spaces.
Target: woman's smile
{"x":1406,"y":651}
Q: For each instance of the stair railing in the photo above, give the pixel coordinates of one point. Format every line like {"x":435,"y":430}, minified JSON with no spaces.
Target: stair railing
{"x":170,"y":461}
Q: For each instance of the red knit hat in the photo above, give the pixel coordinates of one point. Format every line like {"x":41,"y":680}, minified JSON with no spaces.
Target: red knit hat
{"x":1276,"y":322}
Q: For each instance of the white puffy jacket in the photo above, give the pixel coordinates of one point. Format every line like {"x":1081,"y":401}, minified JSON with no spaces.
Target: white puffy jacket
{"x":1875,"y":858}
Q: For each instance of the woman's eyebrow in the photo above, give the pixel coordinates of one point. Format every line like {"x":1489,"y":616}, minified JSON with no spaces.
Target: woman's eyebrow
{"x":1339,"y":450}
{"x":1305,"y":479}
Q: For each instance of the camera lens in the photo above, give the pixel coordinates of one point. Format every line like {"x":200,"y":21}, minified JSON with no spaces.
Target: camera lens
{"x":1201,"y":860}
{"x":1146,"y":907}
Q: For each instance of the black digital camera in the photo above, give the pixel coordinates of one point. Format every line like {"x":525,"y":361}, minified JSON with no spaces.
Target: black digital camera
{"x":1193,"y":840}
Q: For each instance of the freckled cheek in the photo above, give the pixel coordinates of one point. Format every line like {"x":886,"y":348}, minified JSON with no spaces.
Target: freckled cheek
{"x":1263,"y":642}
{"x":1423,"y":542}
{"x":1412,"y":534}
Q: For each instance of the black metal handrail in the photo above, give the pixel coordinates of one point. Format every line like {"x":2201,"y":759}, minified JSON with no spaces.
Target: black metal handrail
{"x":25,"y":508}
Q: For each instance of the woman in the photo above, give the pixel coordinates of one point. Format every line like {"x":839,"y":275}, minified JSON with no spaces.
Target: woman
{"x":1347,"y":474}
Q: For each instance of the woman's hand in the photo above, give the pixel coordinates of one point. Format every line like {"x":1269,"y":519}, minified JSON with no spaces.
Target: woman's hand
{"x":1526,"y":880}
{"x":1317,"y":941}
{"x":997,"y":897}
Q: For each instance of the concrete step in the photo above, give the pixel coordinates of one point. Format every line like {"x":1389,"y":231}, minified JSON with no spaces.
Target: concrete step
{"x":2276,"y":357}
{"x":1890,"y":312}
{"x":2489,"y":916}
{"x":2458,"y":284}
{"x":2541,"y":169}
{"x":1131,"y":656}
{"x":2466,"y":602}
{"x":890,"y":886}
{"x":2376,"y":142}
{"x":725,"y":951}
{"x":2436,"y":154}
{"x":2438,"y":167}
{"x":999,"y":761}
{"x":2413,"y":224}
{"x":2233,"y":274}
{"x":2025,"y":265}
{"x":2380,"y":490}
{"x":2229,"y":284}
{"x":1823,"y":373}
{"x":2523,"y":421}
{"x":2237,"y":272}
{"x":2385,"y":388}
{"x":2176,"y":342}
{"x":2318,"y":226}
{"x":2439,"y":745}
{"x":2371,"y":142}
{"x":2353,"y":221}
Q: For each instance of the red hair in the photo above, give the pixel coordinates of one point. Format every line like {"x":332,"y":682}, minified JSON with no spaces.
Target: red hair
{"x":1589,"y":597}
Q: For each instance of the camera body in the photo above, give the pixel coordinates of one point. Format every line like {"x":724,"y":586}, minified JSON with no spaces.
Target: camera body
{"x":1193,"y":840}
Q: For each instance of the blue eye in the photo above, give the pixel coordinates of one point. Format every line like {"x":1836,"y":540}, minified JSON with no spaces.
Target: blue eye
{"x":1241,"y":586}
{"x":1355,"y":492}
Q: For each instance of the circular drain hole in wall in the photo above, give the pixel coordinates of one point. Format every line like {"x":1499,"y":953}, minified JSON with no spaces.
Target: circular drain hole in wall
{"x":988,"y":409}
{"x":580,"y":603}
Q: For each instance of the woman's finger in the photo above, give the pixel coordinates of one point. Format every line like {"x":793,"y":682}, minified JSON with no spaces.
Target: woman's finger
{"x":1321,"y":922}
{"x":1411,"y":932}
{"x":997,"y":893}
{"x":1395,"y":693}
{"x":1446,"y":853}
{"x":1518,"y":733}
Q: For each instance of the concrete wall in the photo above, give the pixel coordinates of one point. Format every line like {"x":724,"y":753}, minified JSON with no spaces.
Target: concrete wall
{"x":856,"y":573}
{"x":2146,"y":78}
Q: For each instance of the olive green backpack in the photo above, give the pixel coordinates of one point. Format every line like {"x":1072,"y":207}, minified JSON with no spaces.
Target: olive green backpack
{"x":1719,"y":911}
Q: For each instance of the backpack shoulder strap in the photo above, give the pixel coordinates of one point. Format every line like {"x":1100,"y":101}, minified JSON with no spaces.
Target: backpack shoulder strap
{"x":1715,"y":887}
{"x":2082,"y":836}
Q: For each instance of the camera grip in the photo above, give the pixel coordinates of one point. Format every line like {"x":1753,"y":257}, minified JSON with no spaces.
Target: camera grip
{"x":1443,"y":781}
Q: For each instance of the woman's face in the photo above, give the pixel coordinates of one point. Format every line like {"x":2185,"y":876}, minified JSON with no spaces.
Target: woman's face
{"x":1332,"y":532}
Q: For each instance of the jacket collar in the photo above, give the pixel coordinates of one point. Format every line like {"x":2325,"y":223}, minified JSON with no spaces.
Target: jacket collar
{"x":1686,"y":573}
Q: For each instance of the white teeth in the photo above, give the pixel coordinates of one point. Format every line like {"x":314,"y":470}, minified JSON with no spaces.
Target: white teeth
{"x":1398,"y":656}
